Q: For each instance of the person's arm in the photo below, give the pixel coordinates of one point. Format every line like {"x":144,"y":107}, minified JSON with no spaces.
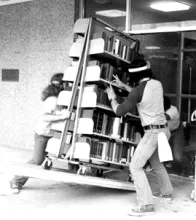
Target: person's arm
{"x":112,"y":97}
{"x":167,"y":116}
{"x":134,"y":97}
{"x":172,"y":113}
{"x":118,"y":82}
{"x":49,"y":107}
{"x":128,"y":88}
{"x":56,"y":117}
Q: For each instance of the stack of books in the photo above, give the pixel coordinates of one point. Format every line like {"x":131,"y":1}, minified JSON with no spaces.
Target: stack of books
{"x":110,"y":151}
{"x":115,"y":45}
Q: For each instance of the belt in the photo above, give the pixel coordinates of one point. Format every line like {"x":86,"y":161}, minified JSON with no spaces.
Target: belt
{"x":147,"y":127}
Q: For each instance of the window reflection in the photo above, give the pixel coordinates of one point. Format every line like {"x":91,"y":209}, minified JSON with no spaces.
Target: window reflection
{"x":190,"y":40}
{"x":164,"y":66}
{"x":161,"y":50}
{"x":188,"y":104}
{"x":189,"y":77}
{"x":187,"y":109}
{"x":159,"y":41}
{"x":114,"y":10}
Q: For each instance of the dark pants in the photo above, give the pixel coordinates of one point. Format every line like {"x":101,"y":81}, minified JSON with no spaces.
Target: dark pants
{"x":177,"y":143}
{"x":38,"y":158}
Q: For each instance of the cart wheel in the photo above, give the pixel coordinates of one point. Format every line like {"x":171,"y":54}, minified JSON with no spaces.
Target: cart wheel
{"x":73,"y":167}
{"x":130,"y":178}
{"x":79,"y":172}
{"x":99,"y":173}
{"x":193,"y":195}
{"x":82,"y":170}
{"x":47,"y":164}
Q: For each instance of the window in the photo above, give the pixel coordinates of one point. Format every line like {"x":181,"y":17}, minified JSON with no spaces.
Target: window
{"x":188,"y":93}
{"x":161,"y":50}
{"x":111,"y":12}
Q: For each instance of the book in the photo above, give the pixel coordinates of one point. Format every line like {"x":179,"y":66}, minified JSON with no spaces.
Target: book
{"x":132,"y":133}
{"x":100,"y":150}
{"x":119,"y":155}
{"x":116,"y":46}
{"x":100,"y":122}
{"x":100,"y":98}
{"x":110,"y":153}
{"x":132,"y":151}
{"x":105,"y":70}
{"x":117,"y":152}
{"x":107,"y":150}
{"x":111,"y":71}
{"x":109,"y":125}
{"x":94,"y":63}
{"x":94,"y":152}
{"x":95,"y":120}
{"x":116,"y":127}
{"x":124,"y":52}
{"x":124,"y":154}
{"x":68,"y":138}
{"x":125,"y":131}
{"x":120,"y":50}
{"x":105,"y":118}
{"x":104,"y":150}
{"x":131,"y":51}
{"x":128,"y":155}
{"x":110,"y":44}
{"x":114,"y":152}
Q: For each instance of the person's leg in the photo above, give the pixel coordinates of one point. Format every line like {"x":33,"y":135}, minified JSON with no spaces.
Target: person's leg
{"x":161,"y":173}
{"x":178,"y":143}
{"x":186,"y":166}
{"x":39,"y":149}
{"x":38,"y":158}
{"x":148,"y":167}
{"x":143,"y":152}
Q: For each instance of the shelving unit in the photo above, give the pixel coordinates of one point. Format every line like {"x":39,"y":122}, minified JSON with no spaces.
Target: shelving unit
{"x":94,"y":137}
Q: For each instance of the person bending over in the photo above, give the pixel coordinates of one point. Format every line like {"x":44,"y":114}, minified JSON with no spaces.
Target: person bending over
{"x":147,"y":96}
{"x":43,"y":130}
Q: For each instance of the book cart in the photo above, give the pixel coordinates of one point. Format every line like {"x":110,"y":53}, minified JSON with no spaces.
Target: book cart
{"x":94,"y":140}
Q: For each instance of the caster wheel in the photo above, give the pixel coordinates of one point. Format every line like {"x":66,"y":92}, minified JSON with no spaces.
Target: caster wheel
{"x":79,"y":172}
{"x":193,"y":195}
{"x":82,"y":171}
{"x":73,"y":167}
{"x":130,"y":179}
{"x":99,"y":173}
{"x":47,"y":164}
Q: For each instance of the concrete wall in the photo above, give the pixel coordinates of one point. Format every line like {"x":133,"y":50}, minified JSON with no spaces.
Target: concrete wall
{"x":35,"y":38}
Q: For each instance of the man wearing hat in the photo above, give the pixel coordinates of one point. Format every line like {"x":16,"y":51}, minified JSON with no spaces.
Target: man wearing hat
{"x":147,"y":95}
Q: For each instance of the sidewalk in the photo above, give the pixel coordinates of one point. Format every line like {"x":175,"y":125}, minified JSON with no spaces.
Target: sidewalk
{"x":48,"y":199}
